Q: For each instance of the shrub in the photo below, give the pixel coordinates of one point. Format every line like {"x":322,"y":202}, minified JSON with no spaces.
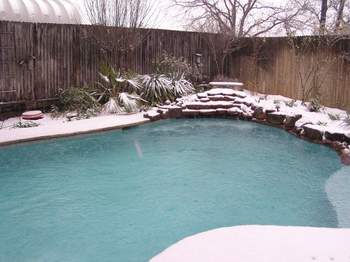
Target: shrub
{"x":172,"y":66}
{"x":315,"y":105}
{"x":159,"y":88}
{"x":156,"y":88}
{"x":346,"y":120}
{"x":117,"y":91}
{"x":182,"y":87}
{"x":290,"y":103}
{"x":334,"y":117}
{"x":76,"y":99}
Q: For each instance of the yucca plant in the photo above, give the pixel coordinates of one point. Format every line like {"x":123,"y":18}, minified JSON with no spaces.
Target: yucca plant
{"x":182,"y":87}
{"x":118,"y":92}
{"x":346,"y":120}
{"x":156,"y":88}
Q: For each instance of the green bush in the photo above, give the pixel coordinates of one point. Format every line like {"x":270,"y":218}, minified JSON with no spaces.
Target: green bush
{"x":78,"y":99}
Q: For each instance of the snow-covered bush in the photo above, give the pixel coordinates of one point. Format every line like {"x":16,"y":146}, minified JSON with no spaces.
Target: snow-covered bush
{"x":159,"y":88}
{"x":290,"y":103}
{"x":118,"y":92}
{"x":334,"y":117}
{"x":314,"y":105}
{"x":346,"y":120}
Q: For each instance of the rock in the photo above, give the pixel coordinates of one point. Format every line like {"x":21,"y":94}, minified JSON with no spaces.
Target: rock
{"x":275,"y":118}
{"x":227,"y":92}
{"x":175,"y":112}
{"x":259,"y":113}
{"x":167,"y":102}
{"x":221,"y":98}
{"x":338,"y":146}
{"x":221,"y":112}
{"x":234,"y":111}
{"x":291,"y":120}
{"x":153,"y":116}
{"x":32,"y":115}
{"x":337,"y":137}
{"x":190,"y":113}
{"x":345,"y":157}
{"x":164,"y":113}
{"x":313,"y":133}
{"x":207,"y":112}
{"x":202,"y":95}
{"x":209,"y":105}
{"x":206,"y":99}
{"x":269,"y":111}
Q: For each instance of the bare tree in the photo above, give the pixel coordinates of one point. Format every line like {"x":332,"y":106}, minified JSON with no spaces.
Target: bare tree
{"x":121,"y":13}
{"x":323,"y":16}
{"x":233,"y":20}
{"x":340,"y":15}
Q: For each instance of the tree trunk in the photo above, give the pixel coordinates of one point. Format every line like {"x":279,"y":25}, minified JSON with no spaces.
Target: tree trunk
{"x":323,"y":17}
{"x":340,"y":12}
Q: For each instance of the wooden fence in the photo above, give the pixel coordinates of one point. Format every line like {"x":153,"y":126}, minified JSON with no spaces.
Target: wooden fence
{"x":298,"y":68}
{"x":36,"y":60}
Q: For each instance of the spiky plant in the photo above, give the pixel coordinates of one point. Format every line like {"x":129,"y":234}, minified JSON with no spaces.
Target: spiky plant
{"x":159,"y":88}
{"x":346,"y":120}
{"x":118,"y":92}
{"x":182,"y":87}
{"x":156,"y":88}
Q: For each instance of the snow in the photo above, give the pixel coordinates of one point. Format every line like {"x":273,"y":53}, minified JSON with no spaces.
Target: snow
{"x":226,"y":91}
{"x":210,"y":103}
{"x":226,"y":84}
{"x":286,"y":106}
{"x":263,"y":244}
{"x":50,"y":128}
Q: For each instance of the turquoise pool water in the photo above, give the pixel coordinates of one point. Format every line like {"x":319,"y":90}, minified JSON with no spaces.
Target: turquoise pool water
{"x":127,"y":195}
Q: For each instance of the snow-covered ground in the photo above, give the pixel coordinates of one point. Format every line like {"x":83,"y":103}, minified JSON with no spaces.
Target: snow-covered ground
{"x":56,"y":127}
{"x":262,"y":244}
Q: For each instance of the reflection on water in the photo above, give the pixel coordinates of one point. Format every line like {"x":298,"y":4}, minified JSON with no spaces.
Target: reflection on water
{"x":338,"y":190}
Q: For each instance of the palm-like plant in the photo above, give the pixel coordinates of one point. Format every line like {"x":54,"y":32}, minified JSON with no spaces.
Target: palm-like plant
{"x":182,"y":87}
{"x":118,"y":91}
{"x":158,"y":88}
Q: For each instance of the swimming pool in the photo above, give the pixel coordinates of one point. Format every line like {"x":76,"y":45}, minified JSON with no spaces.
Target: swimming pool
{"x":127,"y":195}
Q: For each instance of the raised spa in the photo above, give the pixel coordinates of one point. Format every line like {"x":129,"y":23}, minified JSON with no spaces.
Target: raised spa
{"x":127,"y":195}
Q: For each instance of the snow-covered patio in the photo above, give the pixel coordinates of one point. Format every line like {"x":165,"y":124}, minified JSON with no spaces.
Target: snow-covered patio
{"x":262,"y":244}
{"x":59,"y":127}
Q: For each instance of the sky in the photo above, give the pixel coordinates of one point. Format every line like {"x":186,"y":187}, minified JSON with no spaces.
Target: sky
{"x":170,"y":17}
